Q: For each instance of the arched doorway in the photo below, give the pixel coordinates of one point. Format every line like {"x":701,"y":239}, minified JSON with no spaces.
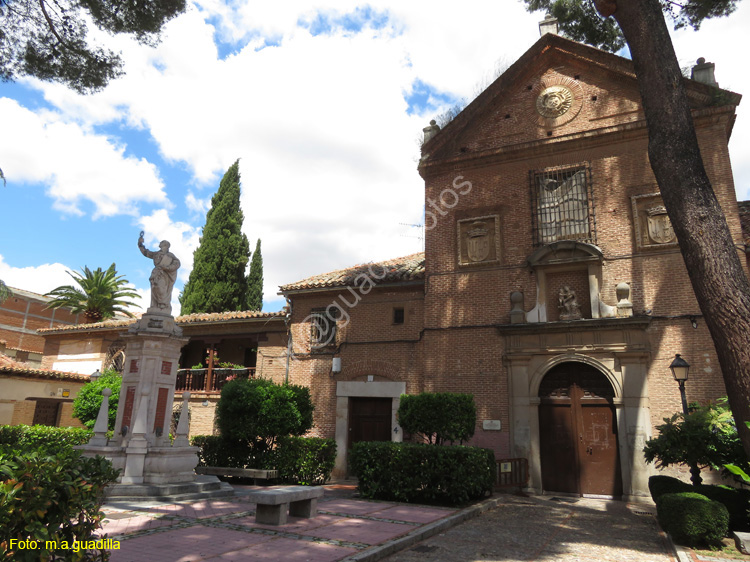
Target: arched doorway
{"x":578,"y":432}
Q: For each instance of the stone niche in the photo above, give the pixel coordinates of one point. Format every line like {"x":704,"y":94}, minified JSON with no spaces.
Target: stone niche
{"x":479,"y":240}
{"x":653,"y":229}
{"x":576,"y":266}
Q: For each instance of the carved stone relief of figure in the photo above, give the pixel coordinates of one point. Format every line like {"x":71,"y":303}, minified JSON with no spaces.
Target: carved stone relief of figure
{"x":568,"y":304}
{"x":162,"y":277}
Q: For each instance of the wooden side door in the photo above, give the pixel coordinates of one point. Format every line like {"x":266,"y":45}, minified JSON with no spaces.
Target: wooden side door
{"x":369,"y":419}
{"x":45,"y":412}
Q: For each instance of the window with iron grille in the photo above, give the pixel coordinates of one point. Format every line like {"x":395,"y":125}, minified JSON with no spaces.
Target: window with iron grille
{"x":563,"y":206}
{"x":322,"y":327}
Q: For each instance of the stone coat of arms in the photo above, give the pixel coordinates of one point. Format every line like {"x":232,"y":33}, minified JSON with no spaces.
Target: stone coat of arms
{"x":660,"y":228}
{"x":478,"y":242}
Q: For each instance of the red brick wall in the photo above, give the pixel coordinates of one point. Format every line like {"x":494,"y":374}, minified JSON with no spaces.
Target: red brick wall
{"x":22,"y":315}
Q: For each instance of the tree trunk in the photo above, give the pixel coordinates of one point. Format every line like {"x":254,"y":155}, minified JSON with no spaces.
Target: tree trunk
{"x":712,"y":261}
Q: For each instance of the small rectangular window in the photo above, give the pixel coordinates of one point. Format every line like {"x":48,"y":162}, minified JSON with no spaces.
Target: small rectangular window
{"x":322,"y":328}
{"x":398,"y":315}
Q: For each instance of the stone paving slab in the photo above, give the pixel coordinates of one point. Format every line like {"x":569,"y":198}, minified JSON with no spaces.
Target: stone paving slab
{"x":289,"y":550}
{"x":189,"y":544}
{"x":523,"y":529}
{"x":504,"y":528}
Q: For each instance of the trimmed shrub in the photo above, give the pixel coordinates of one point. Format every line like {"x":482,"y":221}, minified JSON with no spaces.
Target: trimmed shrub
{"x":303,"y":460}
{"x":86,"y":405}
{"x":737,"y":502}
{"x":661,"y":484}
{"x":413,"y":472}
{"x":43,"y":437}
{"x":692,"y":519}
{"x":258,"y":411}
{"x":51,"y":497}
{"x":439,"y":417}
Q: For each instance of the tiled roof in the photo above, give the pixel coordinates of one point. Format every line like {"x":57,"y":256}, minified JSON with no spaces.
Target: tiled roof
{"x":10,"y":367}
{"x":745,"y":222}
{"x":407,"y":268}
{"x":181,"y":321}
{"x":233,"y":315}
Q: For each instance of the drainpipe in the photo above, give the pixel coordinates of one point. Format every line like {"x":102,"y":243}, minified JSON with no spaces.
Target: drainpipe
{"x":287,"y":321}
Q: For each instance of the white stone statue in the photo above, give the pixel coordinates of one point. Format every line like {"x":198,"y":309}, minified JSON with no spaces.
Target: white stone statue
{"x":162,"y":277}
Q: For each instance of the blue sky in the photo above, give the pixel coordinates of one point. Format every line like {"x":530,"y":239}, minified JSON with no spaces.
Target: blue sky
{"x":322,"y":102}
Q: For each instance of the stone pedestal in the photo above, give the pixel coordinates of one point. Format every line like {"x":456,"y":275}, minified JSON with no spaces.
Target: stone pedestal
{"x":141,"y":447}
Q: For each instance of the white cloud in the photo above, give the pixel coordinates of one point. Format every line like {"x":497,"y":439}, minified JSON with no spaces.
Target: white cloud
{"x":320,"y":124}
{"x":39,"y":279}
{"x":75,"y":164}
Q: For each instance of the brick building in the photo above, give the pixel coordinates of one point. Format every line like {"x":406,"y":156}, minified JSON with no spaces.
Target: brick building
{"x":21,"y":315}
{"x":551,"y":288}
{"x":254,"y":340}
{"x":37,"y":396}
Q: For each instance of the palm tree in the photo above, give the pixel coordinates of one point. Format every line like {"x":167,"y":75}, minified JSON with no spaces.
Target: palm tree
{"x":101,"y":294}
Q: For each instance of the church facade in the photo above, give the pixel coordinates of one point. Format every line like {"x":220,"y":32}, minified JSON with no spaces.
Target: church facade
{"x":551,"y":286}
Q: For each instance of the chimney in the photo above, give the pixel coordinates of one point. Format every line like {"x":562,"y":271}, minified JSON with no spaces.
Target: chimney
{"x":548,"y":25}
{"x":704,"y":72}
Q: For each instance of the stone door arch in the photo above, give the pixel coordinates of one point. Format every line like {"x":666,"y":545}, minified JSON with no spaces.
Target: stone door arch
{"x":578,"y":432}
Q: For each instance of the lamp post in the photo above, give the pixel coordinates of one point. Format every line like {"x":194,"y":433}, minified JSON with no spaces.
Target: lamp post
{"x":95,"y":375}
{"x":680,"y":369}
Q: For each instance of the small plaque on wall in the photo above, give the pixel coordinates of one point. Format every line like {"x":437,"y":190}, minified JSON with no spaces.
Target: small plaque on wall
{"x":133,"y":366}
{"x":166,"y":367}
{"x":494,"y":425}
{"x":506,"y":467}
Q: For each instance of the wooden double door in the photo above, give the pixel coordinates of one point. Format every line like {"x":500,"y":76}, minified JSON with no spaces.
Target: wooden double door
{"x":578,"y":432}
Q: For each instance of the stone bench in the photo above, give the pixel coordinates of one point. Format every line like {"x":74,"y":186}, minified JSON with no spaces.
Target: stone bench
{"x":256,"y":473}
{"x":273,"y":504}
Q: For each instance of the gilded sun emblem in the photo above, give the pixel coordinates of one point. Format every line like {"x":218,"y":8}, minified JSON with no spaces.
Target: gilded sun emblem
{"x":554,"y":101}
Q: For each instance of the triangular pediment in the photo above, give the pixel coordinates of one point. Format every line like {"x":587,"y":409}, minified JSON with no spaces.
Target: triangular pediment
{"x":558,"y":89}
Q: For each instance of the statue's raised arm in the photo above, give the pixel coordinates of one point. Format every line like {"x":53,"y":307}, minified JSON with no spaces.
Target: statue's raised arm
{"x":162,"y":277}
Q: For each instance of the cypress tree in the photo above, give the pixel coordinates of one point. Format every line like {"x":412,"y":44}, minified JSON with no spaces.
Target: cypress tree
{"x":217,"y":281}
{"x":255,"y":281}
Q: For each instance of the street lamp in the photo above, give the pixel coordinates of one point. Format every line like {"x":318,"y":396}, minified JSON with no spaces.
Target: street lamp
{"x":95,"y":375}
{"x":680,"y":369}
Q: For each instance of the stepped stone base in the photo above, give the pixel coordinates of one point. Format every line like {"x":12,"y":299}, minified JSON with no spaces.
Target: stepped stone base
{"x":202,"y":487}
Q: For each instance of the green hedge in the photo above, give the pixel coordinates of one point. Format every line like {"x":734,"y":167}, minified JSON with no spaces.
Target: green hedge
{"x":51,"y":497}
{"x":218,"y":451}
{"x":36,"y":437}
{"x":692,"y":518}
{"x":660,"y":485}
{"x":299,"y":460}
{"x":439,"y":417}
{"x":412,"y":472}
{"x":304,"y":460}
{"x":736,"y":500}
